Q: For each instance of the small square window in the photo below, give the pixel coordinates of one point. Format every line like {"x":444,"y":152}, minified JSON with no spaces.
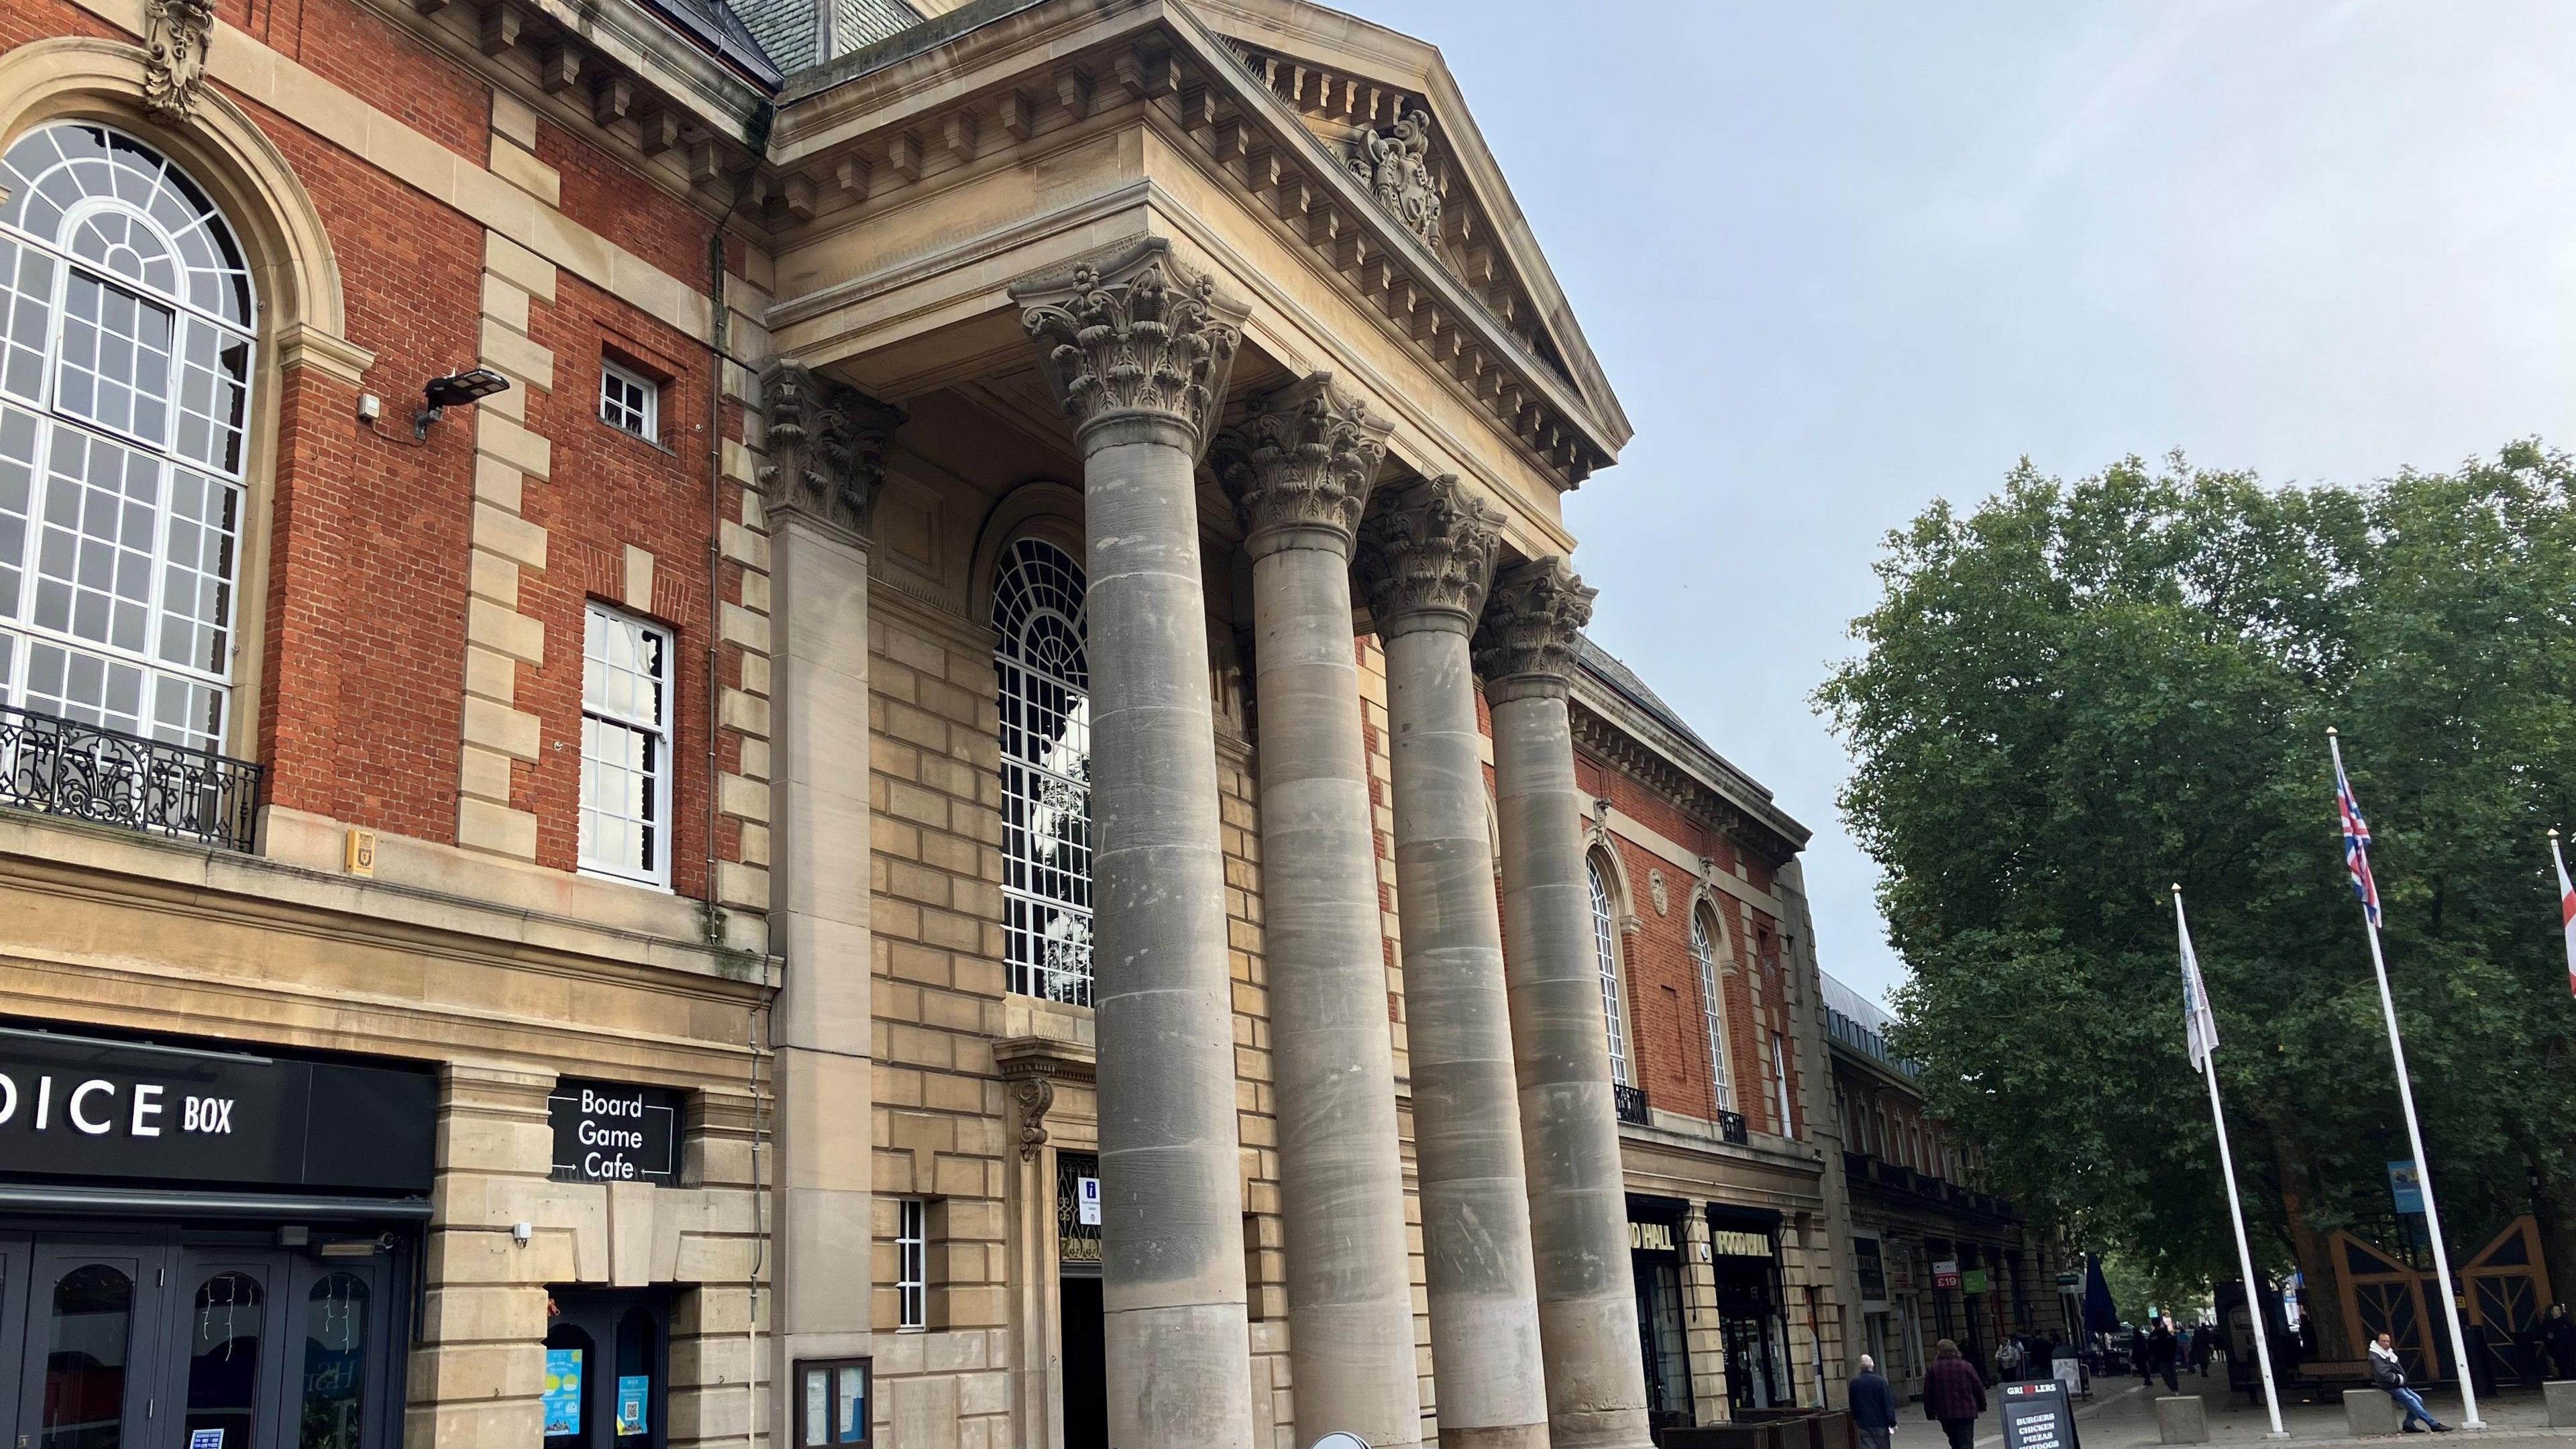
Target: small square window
{"x":912,"y":1262}
{"x":833,"y":1403}
{"x":630,"y":402}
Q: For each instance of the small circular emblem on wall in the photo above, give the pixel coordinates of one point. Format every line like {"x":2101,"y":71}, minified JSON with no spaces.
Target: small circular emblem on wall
{"x":1655,"y":885}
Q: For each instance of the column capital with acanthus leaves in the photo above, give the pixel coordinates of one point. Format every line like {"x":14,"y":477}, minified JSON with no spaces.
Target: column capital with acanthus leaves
{"x":1134,"y":336}
{"x":1525,"y":642}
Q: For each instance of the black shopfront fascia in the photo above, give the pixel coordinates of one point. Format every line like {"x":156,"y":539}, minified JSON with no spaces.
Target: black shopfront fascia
{"x":229,"y":1236}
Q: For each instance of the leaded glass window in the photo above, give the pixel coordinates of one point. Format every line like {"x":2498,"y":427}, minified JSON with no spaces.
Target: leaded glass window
{"x":125,"y":361}
{"x":1704,"y":952}
{"x":1605,"y":949}
{"x":1045,"y":679}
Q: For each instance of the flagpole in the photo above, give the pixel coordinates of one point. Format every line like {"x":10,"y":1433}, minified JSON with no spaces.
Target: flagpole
{"x":2415,"y":1140}
{"x":2255,"y":1289}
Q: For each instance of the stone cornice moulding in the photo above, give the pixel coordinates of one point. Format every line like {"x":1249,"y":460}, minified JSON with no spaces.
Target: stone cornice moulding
{"x":1611,"y":743}
{"x":979,"y":99}
{"x":302,"y":345}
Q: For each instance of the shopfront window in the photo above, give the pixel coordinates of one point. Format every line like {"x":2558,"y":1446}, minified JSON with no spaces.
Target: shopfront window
{"x":334,"y":1389}
{"x":1752,"y":1326}
{"x":1654,"y":1257}
{"x":87,"y":1335}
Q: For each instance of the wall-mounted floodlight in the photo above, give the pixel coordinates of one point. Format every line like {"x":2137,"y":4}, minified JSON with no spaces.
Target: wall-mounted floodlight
{"x":457,"y":389}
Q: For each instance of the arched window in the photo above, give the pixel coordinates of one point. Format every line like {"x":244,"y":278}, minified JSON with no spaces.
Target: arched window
{"x":1704,"y":952}
{"x":1046,"y":771}
{"x":126,"y":324}
{"x":1605,"y":948}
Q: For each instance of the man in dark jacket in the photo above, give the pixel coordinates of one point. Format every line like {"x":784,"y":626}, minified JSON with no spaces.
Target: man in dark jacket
{"x":2390,"y":1374}
{"x":1873,"y":1406}
{"x":2558,"y":1335}
{"x":2160,"y":1353}
{"x":1954,"y":1393}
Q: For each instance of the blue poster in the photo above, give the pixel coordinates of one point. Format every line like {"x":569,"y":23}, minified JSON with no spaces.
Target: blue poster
{"x":2405,"y":1187}
{"x":631,"y":1392}
{"x":562,"y":1401}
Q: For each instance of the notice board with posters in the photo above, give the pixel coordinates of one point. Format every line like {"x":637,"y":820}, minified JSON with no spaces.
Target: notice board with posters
{"x":2037,"y":1415}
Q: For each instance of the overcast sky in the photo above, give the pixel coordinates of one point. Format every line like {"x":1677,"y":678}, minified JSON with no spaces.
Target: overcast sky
{"x":1842,"y":259}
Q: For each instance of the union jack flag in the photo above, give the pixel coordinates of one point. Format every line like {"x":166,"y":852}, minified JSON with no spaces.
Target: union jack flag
{"x":2356,"y":845}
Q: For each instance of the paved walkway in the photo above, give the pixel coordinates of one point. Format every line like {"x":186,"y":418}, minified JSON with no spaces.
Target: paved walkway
{"x":2122,"y":1415}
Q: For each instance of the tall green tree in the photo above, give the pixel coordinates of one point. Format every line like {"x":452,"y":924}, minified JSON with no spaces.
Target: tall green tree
{"x":2076,"y":696}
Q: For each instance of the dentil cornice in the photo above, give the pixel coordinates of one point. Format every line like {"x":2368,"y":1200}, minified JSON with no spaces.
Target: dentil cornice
{"x":1426,"y":557}
{"x":1302,"y":463}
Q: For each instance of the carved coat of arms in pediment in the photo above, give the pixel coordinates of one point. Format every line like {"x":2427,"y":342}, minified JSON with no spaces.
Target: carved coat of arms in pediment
{"x":1396,"y":164}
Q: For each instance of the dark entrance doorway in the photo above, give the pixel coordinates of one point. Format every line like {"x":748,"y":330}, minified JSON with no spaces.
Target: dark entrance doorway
{"x":1086,"y":1381}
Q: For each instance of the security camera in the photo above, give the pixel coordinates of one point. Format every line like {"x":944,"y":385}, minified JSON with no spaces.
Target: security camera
{"x":523,"y":1233}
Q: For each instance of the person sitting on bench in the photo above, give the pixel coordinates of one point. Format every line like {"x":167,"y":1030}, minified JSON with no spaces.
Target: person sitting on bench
{"x":2386,"y":1372}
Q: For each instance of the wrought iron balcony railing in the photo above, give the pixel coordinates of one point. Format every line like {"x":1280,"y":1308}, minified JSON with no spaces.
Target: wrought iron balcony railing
{"x":1632,"y":1104}
{"x":1730,"y":1126}
{"x":62,"y":767}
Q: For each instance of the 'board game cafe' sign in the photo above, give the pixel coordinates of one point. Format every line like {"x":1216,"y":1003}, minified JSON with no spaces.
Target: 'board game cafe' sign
{"x":613,"y":1132}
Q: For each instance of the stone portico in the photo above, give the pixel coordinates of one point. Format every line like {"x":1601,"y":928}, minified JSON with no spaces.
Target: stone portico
{"x":1219,"y":299}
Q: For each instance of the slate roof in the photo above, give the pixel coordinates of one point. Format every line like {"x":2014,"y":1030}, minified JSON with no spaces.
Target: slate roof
{"x":715,"y":25}
{"x":1622,"y":681}
{"x":787,"y":32}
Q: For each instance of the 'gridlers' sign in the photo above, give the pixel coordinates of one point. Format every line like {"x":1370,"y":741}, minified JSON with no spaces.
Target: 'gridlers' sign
{"x":80,"y":1107}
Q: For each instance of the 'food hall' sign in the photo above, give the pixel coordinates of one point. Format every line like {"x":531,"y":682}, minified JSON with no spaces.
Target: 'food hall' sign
{"x":609,"y":1132}
{"x":74,"y":1106}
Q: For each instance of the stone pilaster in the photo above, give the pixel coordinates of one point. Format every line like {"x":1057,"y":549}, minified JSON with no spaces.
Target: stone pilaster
{"x":1299,"y":470}
{"x":826,"y":446}
{"x":1426,"y":561}
{"x":1596,"y":1387}
{"x":1138,"y":351}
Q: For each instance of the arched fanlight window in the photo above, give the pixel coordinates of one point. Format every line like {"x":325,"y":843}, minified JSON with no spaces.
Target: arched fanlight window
{"x":126,"y":322}
{"x":1605,"y":948}
{"x":1704,"y":953}
{"x":1046,"y":771}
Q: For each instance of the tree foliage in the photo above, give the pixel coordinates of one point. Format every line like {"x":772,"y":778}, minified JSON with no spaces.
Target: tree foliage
{"x":2079,"y":695}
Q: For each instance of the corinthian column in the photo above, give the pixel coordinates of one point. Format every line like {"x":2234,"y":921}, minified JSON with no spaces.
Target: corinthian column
{"x":1138,"y":352}
{"x":1425,"y":561}
{"x":1596,"y":1388}
{"x":1299,"y":471}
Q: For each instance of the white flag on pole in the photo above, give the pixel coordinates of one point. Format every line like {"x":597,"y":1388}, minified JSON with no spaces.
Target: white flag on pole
{"x":2199,"y":1027}
{"x":2566,"y":909}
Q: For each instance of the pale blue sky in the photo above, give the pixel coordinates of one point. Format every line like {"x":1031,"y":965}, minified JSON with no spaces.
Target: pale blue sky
{"x":1841,"y":259}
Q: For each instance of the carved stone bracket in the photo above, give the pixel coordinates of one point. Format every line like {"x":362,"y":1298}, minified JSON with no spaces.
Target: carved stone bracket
{"x":1427,"y":556}
{"x":1525,"y":644}
{"x":1396,"y":164}
{"x":175,"y":36}
{"x":1302,"y":463}
{"x":827,"y":447}
{"x":1033,"y":1065}
{"x":1136,"y":333}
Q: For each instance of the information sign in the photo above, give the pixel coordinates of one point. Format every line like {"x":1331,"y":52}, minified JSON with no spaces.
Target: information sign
{"x":2038,"y":1415}
{"x":2404,"y":1187}
{"x":561,"y":1400}
{"x":1086,"y":1201}
{"x":1945,"y":1272}
{"x":1973,"y":1280}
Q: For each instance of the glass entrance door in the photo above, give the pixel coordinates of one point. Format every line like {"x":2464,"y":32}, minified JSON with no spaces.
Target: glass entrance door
{"x":163,"y":1345}
{"x":89,"y":1337}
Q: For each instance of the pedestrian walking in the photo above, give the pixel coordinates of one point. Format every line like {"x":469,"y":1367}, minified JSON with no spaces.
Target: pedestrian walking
{"x":2160,"y":1353}
{"x":1954,"y":1393}
{"x":2390,"y":1375}
{"x":2558,"y":1335}
{"x":2139,"y":1358}
{"x":2203,"y":1339}
{"x":2008,"y":1360}
{"x":1873,"y":1406}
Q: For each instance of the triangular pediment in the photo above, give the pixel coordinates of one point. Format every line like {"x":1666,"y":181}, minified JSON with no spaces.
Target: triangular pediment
{"x":1386,"y":104}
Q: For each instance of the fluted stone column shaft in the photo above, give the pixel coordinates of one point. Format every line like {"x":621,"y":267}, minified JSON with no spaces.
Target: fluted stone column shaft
{"x":1299,"y":471}
{"x":1425,"y":562}
{"x":1569,"y":1122}
{"x":1138,"y":354}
